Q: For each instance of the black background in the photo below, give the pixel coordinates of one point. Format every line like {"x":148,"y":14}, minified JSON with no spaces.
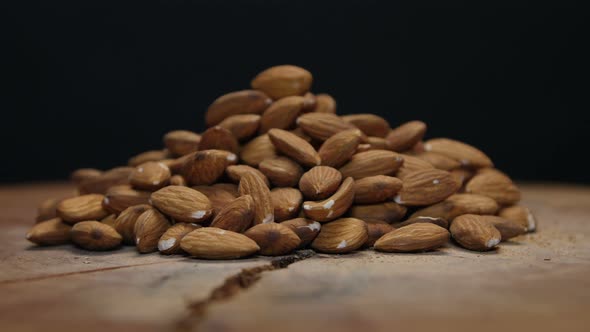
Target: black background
{"x":90,"y":83}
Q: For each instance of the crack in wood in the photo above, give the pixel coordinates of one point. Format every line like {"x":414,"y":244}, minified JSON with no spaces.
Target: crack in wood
{"x":234,"y":285}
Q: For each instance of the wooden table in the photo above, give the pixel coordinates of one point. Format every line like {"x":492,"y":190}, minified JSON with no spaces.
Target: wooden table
{"x":538,"y":282}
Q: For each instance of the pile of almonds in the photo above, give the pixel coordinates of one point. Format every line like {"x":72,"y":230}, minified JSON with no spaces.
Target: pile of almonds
{"x":277,"y":170}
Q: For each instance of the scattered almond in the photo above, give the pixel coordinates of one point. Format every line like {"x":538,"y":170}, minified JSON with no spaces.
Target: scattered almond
{"x":236,"y":216}
{"x":341,"y":236}
{"x":273,"y":239}
{"x":182,"y":204}
{"x":283,"y":81}
{"x":376,"y":189}
{"x":414,"y":237}
{"x":149,"y":228}
{"x":80,"y":208}
{"x":217,"y":243}
{"x":472,"y":233}
{"x":50,"y":232}
{"x":151,"y":175}
{"x":306,"y":229}
{"x":94,"y":235}
{"x":320,"y":182}
{"x":169,"y":242}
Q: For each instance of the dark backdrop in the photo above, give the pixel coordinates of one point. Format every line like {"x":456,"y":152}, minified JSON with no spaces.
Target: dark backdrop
{"x":89,"y":83}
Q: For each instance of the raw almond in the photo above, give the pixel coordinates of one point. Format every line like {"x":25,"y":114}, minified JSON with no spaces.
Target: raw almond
{"x":377,"y":143}
{"x":207,"y":166}
{"x":152,"y":155}
{"x":426,"y":187}
{"x":94,"y":235}
{"x":242,"y":126}
{"x":309,"y":102}
{"x":151,"y":175}
{"x":466,"y":154}
{"x":80,"y":208}
{"x":370,"y":124}
{"x":258,"y":149}
{"x":521,"y":215}
{"x":338,"y":149}
{"x":320,"y":182}
{"x":371,"y":163}
{"x":125,"y":222}
{"x":388,"y":212}
{"x":177,"y":180}
{"x":282,"y":113}
{"x":306,"y":229}
{"x":218,"y":196}
{"x":217,"y":243}
{"x":118,"y":198}
{"x":182,"y":142}
{"x":294,"y":147}
{"x":375,"y":231}
{"x":414,"y":237}
{"x":83,"y":174}
{"x":109,"y":220}
{"x":149,"y":227}
{"x":236,"y":216}
{"x":341,"y":236}
{"x":47,"y":209}
{"x":282,"y":171}
{"x":322,"y":126}
{"x":438,"y":160}
{"x":251,"y":184}
{"x":325,"y":103}
{"x":231,"y":188}
{"x":169,"y":242}
{"x":235,"y":173}
{"x":50,"y":232}
{"x":283,"y":81}
{"x":102,"y":183}
{"x":404,"y":137}
{"x":472,"y":233}
{"x":234,"y":103}
{"x":411,"y":164}
{"x":462,"y":175}
{"x":182,"y":204}
{"x":431,"y":220}
{"x":218,"y":138}
{"x":507,"y":228}
{"x":494,"y":184}
{"x":376,"y":189}
{"x":286,"y":203}
{"x":273,"y":239}
{"x":332,"y":207}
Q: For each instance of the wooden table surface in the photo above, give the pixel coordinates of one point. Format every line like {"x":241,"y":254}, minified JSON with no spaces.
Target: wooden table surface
{"x":537,"y":282}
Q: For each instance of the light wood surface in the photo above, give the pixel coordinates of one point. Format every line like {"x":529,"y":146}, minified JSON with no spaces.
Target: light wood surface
{"x":537,"y":282}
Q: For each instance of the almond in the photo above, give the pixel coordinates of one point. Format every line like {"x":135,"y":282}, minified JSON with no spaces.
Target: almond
{"x":462,"y":175}
{"x":182,"y":204}
{"x":282,"y":172}
{"x":494,"y":184}
{"x":283,"y":81}
{"x":294,"y":147}
{"x":231,"y":188}
{"x":118,"y":198}
{"x":472,"y":233}
{"x":182,"y":142}
{"x":102,"y":183}
{"x":438,"y":160}
{"x":306,"y":229}
{"x":320,"y":182}
{"x":322,"y":126}
{"x":376,"y":189}
{"x":388,"y":212}
{"x":338,"y":149}
{"x":169,"y":242}
{"x":273,"y":239}
{"x":151,"y":175}
{"x":309,"y":102}
{"x":257,"y":150}
{"x":234,"y":103}
{"x":93,"y":235}
{"x":282,"y":113}
{"x":325,"y":103}
{"x":50,"y":232}
{"x":218,"y":138}
{"x":149,"y":228}
{"x":375,"y":231}
{"x":411,"y":164}
{"x":341,"y":236}
{"x":286,"y":203}
{"x":431,"y":220}
{"x":83,"y":174}
{"x":236,"y":216}
{"x":371,"y":163}
{"x":472,"y":204}
{"x":219,"y":197}
{"x":370,"y":124}
{"x":177,"y":180}
{"x":242,"y":126}
{"x":216,"y":243}
{"x":207,"y":166}
{"x":507,"y":228}
{"x":253,"y":185}
{"x":521,"y":215}
{"x":144,"y":157}
{"x":377,"y":143}
{"x":466,"y":154}
{"x":426,"y":187}
{"x":176,"y":165}
{"x":47,"y":209}
{"x":414,"y":237}
{"x":85,"y":207}
{"x":109,"y":220}
{"x":235,"y":173}
{"x":125,"y":222}
{"x":404,"y":137}
{"x":332,"y":207}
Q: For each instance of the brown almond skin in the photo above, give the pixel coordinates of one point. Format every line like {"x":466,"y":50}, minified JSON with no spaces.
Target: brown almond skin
{"x":494,"y":184}
{"x":50,"y":232}
{"x":47,"y":209}
{"x":282,"y":113}
{"x":231,"y":188}
{"x":257,"y":150}
{"x":325,"y":103}
{"x":412,"y":238}
{"x":242,"y":126}
{"x":281,"y":171}
{"x":338,"y":149}
{"x":438,"y":160}
{"x":283,"y":81}
{"x":320,"y":182}
{"x":152,"y":155}
{"x":388,"y":212}
{"x":149,"y":228}
{"x":151,"y":176}
{"x":341,"y":236}
{"x":236,"y":216}
{"x":377,"y":143}
{"x":216,"y":243}
{"x":219,"y":197}
{"x":251,"y":184}
{"x":125,"y":222}
{"x":375,"y":231}
{"x":109,"y":220}
{"x":207,"y":166}
{"x":507,"y":228}
{"x":306,"y":229}
{"x":286,"y":203}
{"x":431,"y":220}
{"x":181,"y":142}
{"x":404,"y":137}
{"x":462,"y":175}
{"x":459,"y":204}
{"x":370,"y":124}
{"x":426,"y":187}
{"x":376,"y":189}
{"x":520,"y":214}
{"x":309,"y":102}
{"x":169,"y":242}
{"x":274,"y":239}
{"x":218,"y":138}
{"x":96,"y":236}
{"x":464,"y":153}
{"x":80,"y":175}
{"x":332,"y":207}
{"x":235,"y":172}
{"x":472,"y":233}
{"x":118,"y":198}
{"x":102,"y":183}
{"x":81,"y":208}
{"x":182,"y":204}
{"x":411,"y":164}
{"x":371,"y":163}
{"x":234,"y":103}
{"x":322,"y":126}
{"x":294,"y":147}
{"x":177,"y":180}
